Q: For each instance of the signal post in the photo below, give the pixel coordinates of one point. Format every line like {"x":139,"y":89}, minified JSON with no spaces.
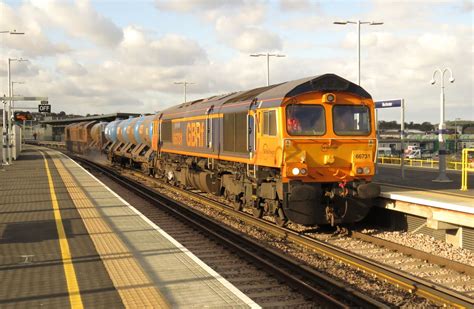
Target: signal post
{"x":7,"y":132}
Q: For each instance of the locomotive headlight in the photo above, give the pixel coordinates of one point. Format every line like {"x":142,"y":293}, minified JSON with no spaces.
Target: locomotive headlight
{"x":303,"y":171}
{"x":367,"y":170}
{"x":330,"y":97}
{"x":295,"y":171}
{"x":359,"y":170}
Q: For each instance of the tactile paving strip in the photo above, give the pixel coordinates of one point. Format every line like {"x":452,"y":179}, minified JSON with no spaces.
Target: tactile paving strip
{"x":131,"y":282}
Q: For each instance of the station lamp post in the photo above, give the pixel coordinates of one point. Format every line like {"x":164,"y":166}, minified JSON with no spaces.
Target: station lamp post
{"x":4,"y":127}
{"x":268,"y":55}
{"x":442,"y":177}
{"x":185,"y":84}
{"x":10,"y":133}
{"x":358,"y":23}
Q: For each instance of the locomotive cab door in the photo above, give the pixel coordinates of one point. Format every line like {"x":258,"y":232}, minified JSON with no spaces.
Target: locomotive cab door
{"x":251,"y":134}
{"x":209,"y":128}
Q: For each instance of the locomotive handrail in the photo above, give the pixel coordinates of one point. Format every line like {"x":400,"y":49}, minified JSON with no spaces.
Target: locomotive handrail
{"x":466,"y":167}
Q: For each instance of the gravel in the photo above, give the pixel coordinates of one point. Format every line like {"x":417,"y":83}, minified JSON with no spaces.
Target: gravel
{"x":426,"y":243}
{"x":354,"y":278}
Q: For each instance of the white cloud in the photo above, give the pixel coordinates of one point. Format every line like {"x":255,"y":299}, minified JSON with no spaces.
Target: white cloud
{"x":238,"y":24}
{"x":193,"y":5}
{"x":68,"y":66}
{"x":133,"y":70}
{"x":170,"y":50}
{"x":242,"y":29}
{"x":34,"y":42}
{"x":297,"y":5}
{"x":80,"y":20}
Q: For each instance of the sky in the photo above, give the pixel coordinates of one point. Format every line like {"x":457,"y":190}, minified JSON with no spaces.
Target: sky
{"x":112,"y":56}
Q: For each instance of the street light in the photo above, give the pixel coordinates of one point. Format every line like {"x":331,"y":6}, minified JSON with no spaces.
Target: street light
{"x":442,"y":177}
{"x":185,"y":83}
{"x":4,"y":128}
{"x":358,"y":23}
{"x":11,"y":32}
{"x":10,"y":133}
{"x":268,"y":55}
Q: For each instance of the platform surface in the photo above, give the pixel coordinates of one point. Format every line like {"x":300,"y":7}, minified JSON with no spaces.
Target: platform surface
{"x":418,"y":187}
{"x":106,"y":255}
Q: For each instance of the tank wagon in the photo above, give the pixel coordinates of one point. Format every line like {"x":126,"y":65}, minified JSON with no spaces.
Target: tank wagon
{"x":129,"y":142}
{"x":302,"y":150}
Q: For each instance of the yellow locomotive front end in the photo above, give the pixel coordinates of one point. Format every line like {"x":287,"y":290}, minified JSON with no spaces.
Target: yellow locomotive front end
{"x":329,"y":146}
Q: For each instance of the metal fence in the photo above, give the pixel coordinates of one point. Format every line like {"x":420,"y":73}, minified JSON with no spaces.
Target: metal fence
{"x":428,"y":163}
{"x":467,"y":166}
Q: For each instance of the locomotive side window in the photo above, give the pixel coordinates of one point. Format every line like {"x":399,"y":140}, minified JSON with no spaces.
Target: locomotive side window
{"x":269,"y":123}
{"x":305,"y":119}
{"x":351,"y":120}
{"x":166,"y":131}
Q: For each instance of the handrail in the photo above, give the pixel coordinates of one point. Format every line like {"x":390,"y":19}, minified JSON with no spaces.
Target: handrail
{"x":466,"y":167}
{"x":429,"y":163}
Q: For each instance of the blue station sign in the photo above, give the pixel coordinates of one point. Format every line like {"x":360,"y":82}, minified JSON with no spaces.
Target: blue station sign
{"x":388,"y":103}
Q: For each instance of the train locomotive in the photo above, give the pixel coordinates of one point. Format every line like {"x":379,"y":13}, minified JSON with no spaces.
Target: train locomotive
{"x":301,"y":151}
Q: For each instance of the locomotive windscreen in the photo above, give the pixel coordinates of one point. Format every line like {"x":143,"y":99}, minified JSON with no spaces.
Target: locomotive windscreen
{"x":351,"y":120}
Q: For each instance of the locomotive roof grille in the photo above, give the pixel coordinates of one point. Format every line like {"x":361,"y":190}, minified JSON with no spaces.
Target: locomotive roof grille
{"x":329,"y":82}
{"x":250,"y":94}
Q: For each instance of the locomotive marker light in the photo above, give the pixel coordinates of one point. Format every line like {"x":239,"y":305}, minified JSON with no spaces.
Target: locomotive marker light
{"x":442,"y":177}
{"x":388,"y":104}
{"x":329,"y":98}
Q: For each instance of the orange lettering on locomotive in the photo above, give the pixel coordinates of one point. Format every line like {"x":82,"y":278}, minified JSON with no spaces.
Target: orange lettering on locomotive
{"x":195,"y":134}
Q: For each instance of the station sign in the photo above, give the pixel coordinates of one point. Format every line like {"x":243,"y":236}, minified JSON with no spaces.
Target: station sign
{"x":44,"y":107}
{"x":388,"y":103}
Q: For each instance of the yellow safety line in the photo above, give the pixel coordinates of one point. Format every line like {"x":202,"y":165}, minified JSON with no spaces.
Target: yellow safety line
{"x":130,"y":280}
{"x":72,"y":285}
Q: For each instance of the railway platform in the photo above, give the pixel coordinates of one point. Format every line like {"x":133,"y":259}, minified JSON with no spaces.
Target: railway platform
{"x":67,"y":240}
{"x":441,"y":210}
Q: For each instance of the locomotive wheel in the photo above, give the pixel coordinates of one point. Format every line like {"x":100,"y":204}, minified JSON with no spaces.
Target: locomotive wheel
{"x":257,"y":212}
{"x":280,"y":217}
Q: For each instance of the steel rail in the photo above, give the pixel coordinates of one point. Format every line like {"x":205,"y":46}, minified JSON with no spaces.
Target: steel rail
{"x":413,"y":284}
{"x":279,"y":265}
{"x":438,"y":260}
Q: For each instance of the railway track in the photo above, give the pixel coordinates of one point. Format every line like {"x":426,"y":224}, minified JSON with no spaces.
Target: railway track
{"x":437,"y":293}
{"x":321,"y":289}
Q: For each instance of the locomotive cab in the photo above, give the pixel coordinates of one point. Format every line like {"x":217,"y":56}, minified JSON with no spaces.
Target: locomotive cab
{"x":328,"y":158}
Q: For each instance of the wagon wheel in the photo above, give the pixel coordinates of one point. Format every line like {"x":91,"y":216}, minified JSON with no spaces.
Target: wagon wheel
{"x":145,"y":169}
{"x":257,"y":212}
{"x":237,"y":203}
{"x":280,"y":217}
